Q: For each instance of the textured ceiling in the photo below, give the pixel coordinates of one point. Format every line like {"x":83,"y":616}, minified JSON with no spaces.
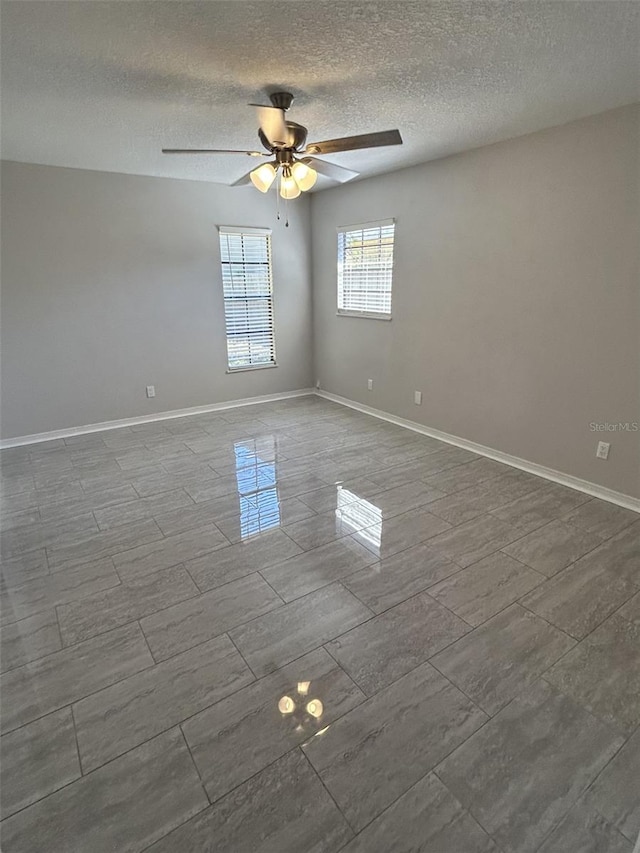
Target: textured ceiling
{"x":105,"y":85}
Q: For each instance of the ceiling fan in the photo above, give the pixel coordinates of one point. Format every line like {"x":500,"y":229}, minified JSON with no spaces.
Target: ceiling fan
{"x":294,"y":160}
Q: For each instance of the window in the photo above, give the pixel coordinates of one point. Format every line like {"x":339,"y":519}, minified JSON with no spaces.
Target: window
{"x":248,"y":297}
{"x":365,"y":269}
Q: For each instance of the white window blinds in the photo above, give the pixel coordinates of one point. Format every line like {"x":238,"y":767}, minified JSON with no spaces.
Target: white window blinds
{"x":365,"y":268}
{"x":248,"y":297}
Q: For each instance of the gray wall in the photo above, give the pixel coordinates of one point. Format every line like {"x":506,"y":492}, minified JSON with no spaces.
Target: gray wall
{"x":112,"y":282}
{"x":516,"y":296}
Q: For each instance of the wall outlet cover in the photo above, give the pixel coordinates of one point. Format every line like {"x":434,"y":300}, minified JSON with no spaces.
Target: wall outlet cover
{"x":602,"y":451}
{"x":417,"y":398}
{"x":370,"y":384}
{"x":151,"y":390}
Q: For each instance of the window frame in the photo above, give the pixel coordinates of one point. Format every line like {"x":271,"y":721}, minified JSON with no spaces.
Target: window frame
{"x":252,"y":232}
{"x":351,"y":312}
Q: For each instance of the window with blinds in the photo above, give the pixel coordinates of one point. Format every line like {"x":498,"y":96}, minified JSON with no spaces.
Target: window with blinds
{"x":365,"y":269}
{"x":248,"y":297}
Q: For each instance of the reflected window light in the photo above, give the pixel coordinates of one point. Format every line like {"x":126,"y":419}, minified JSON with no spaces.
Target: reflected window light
{"x":356,"y":515}
{"x":257,"y":485}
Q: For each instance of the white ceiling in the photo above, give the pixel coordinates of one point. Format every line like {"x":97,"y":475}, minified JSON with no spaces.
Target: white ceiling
{"x":105,"y":85}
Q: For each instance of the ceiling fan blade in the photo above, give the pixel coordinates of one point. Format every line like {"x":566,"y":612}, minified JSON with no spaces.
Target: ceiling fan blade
{"x":330,"y":170}
{"x":350,"y":143}
{"x":212,"y":151}
{"x":273,"y":125}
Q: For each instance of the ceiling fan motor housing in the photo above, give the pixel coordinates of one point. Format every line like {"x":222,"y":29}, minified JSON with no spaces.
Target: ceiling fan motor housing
{"x":297,"y":137}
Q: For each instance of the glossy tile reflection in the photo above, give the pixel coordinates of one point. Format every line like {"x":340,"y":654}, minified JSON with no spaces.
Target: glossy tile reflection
{"x":357,"y":515}
{"x":291,"y":626}
{"x":257,"y":485}
{"x":244,"y":733}
{"x":301,"y":705}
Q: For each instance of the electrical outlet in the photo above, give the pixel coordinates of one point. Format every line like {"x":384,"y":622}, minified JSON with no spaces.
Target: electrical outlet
{"x":603,"y":450}
{"x":151,"y":390}
{"x":370,"y":384}
{"x":417,"y":398}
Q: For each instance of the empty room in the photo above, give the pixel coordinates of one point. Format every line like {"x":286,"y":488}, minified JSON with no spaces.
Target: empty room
{"x":320,"y":426}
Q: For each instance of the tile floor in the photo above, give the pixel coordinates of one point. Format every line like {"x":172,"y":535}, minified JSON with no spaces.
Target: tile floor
{"x":466,"y":635}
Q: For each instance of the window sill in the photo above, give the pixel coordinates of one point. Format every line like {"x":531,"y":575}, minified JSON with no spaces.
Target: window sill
{"x":250,"y":367}
{"x":364,"y":315}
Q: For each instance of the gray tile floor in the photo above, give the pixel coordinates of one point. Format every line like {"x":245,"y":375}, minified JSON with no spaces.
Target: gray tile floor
{"x":466,"y":635}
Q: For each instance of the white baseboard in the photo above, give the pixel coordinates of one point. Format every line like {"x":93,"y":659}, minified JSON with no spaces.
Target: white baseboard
{"x":147,"y":419}
{"x":593,"y":489}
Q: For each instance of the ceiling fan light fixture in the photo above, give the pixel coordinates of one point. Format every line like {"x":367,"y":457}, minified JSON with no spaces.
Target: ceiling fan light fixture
{"x":304,"y":176}
{"x":263,"y":177}
{"x":288,"y":187}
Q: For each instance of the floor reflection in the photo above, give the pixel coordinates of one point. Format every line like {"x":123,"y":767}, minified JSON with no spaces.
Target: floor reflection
{"x":356,"y":515}
{"x":257,"y":485}
{"x":303,"y":708}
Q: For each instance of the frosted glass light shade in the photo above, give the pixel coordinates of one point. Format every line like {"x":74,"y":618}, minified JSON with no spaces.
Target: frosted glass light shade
{"x":288,"y":187}
{"x":263,"y":177}
{"x":304,"y":176}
